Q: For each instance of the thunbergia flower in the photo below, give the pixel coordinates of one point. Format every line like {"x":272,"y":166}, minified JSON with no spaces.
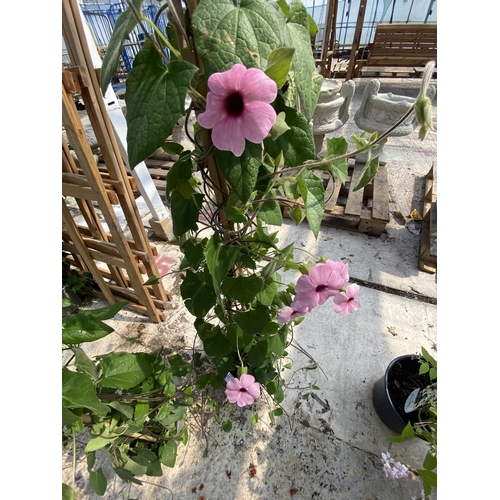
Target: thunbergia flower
{"x":392,"y":469}
{"x":324,"y":280}
{"x":294,"y":310}
{"x":238,"y":108}
{"x":243,"y":391}
{"x":344,"y":303}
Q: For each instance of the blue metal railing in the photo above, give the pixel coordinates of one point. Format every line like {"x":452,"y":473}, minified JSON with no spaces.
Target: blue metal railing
{"x":102,"y":19}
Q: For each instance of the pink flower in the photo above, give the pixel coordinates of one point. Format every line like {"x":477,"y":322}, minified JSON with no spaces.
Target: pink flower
{"x":324,"y":280}
{"x":344,"y":302}
{"x":238,"y":108}
{"x":243,"y":391}
{"x":294,"y":310}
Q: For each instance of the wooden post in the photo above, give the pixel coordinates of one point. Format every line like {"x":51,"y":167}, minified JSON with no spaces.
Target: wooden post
{"x":357,"y":38}
{"x":329,"y":38}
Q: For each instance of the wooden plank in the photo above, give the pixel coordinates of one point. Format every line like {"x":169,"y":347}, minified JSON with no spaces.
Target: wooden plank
{"x":428,"y":237}
{"x":355,"y":198}
{"x":380,"y":209}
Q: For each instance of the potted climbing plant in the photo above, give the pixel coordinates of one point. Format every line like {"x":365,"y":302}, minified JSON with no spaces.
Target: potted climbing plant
{"x":247,"y":71}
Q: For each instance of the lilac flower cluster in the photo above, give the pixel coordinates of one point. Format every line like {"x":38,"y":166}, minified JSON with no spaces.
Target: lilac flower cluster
{"x":392,"y":469}
{"x":325,"y":279}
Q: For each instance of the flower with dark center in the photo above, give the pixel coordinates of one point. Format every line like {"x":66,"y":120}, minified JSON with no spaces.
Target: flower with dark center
{"x":238,"y":108}
{"x":324,"y":280}
{"x":243,"y":391}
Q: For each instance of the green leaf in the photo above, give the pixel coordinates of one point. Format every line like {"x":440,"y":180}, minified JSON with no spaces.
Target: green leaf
{"x":225,"y":34}
{"x":335,"y":147}
{"x":198,"y":297}
{"x":99,"y":442}
{"x":122,"y":370}
{"x":179,"y":367}
{"x":173,"y":148}
{"x":297,"y":144}
{"x":242,"y":288}
{"x":313,"y":193}
{"x":297,"y":214}
{"x":241,"y":172}
{"x":155,"y":100}
{"x":185,"y":213}
{"x":193,"y":252}
{"x":432,"y":361}
{"x":430,"y":462}
{"x":125,"y":23}
{"x":270,"y":213}
{"x":83,"y":363}
{"x":368,"y":173}
{"x":68,"y":493}
{"x":68,"y":417}
{"x":252,"y":321}
{"x":126,"y":410}
{"x":149,"y":460}
{"x":181,"y":169}
{"x":258,"y":354}
{"x":307,"y":80}
{"x":279,"y":64}
{"x":220,"y":259}
{"x":135,"y":467}
{"x":279,"y":128}
{"x":126,"y":475}
{"x":87,"y":326}
{"x":236,"y":214}
{"x":429,"y":477}
{"x":151,"y":281}
{"x":227,"y":425}
{"x":215,"y":343}
{"x":275,"y":413}
{"x":254,"y":418}
{"x":78,"y":392}
{"x":168,"y":453}
{"x":267,"y":294}
{"x":277,"y":342}
{"x":98,"y":481}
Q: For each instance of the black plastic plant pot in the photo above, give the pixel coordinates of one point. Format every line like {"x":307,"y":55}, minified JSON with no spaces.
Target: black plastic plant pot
{"x":392,"y":390}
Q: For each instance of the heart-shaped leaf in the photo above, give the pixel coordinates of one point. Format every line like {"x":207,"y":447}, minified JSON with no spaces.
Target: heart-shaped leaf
{"x":155,"y":100}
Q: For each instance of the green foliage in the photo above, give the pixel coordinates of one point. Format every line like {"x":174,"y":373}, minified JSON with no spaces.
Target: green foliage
{"x":113,"y":394}
{"x":155,"y":101}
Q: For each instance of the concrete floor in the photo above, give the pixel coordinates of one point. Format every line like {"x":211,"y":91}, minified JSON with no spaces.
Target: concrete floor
{"x":313,"y":453}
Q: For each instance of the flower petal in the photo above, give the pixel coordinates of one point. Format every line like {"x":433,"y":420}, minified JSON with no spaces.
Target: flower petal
{"x":215,"y":111}
{"x":257,"y":86}
{"x":228,"y":135}
{"x":258,"y":118}
{"x":226,"y":82}
{"x":232,"y":396}
{"x":245,"y":399}
{"x":234,"y":384}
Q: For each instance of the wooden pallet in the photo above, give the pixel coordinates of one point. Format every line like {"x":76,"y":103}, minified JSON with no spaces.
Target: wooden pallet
{"x":428,"y":237}
{"x":158,"y":165}
{"x":365,"y":211}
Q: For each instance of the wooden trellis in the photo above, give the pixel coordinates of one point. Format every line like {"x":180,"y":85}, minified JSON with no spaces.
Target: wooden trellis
{"x":120,"y":265}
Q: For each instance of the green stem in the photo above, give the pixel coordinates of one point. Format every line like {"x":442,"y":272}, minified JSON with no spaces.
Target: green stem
{"x":74,"y":454}
{"x":140,"y":18}
{"x":162,"y":37}
{"x":322,"y":163}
